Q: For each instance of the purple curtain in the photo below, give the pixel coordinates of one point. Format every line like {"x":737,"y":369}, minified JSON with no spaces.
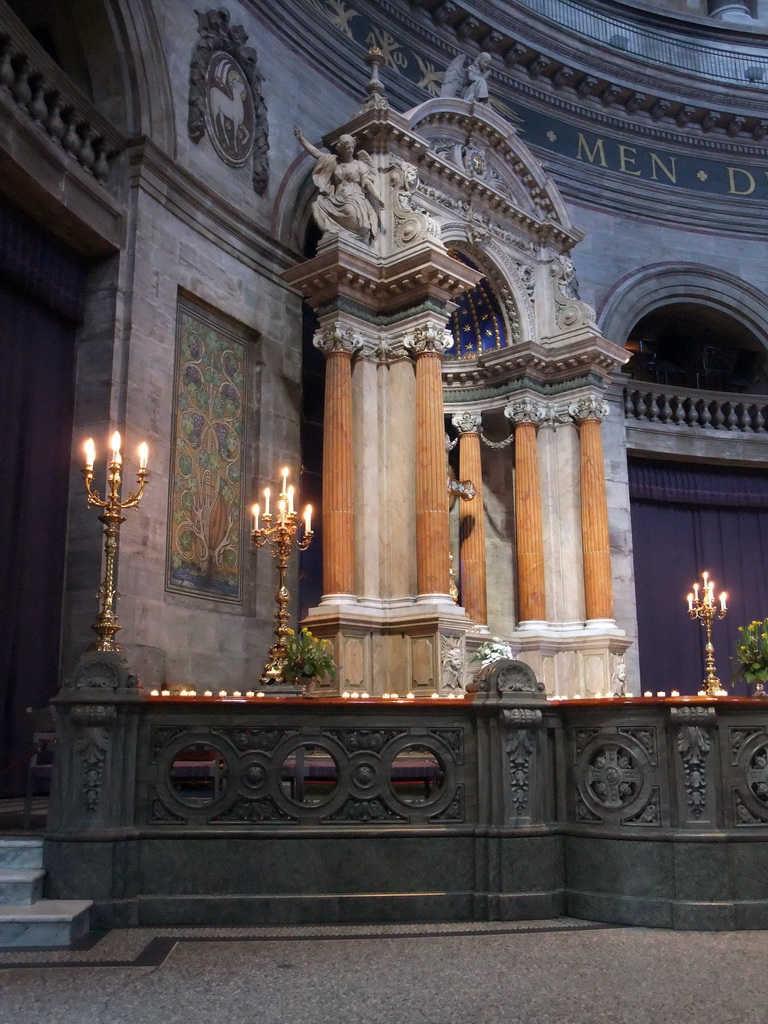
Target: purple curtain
{"x":41,"y":293}
{"x":687,"y":519}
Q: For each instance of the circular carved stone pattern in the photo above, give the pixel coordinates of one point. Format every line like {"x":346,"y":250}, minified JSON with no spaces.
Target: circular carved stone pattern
{"x":613,"y":776}
{"x":757,"y":775}
{"x":230,"y":116}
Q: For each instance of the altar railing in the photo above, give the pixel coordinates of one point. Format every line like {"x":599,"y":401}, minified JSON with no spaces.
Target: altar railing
{"x":681,"y":407}
{"x":501,"y":805}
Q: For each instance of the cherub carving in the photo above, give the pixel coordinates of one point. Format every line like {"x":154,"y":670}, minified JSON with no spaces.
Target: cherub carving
{"x":618,"y":676}
{"x":467,"y":81}
{"x":451,"y":662}
{"x":347,"y":184}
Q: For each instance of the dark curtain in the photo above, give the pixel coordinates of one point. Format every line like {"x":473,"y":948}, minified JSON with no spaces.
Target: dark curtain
{"x":42,"y":290}
{"x":687,"y":519}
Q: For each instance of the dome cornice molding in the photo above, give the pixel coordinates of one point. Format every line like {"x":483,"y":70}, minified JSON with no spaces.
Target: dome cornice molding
{"x":591,"y":76}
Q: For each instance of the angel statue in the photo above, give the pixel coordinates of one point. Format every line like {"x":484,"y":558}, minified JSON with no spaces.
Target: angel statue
{"x":467,"y":81}
{"x":346,"y":183}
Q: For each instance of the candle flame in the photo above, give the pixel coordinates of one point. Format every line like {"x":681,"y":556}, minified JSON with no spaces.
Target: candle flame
{"x":143,"y":455}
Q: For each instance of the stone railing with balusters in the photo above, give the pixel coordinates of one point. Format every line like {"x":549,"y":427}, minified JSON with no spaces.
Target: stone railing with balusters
{"x":685,"y":408}
{"x":53,"y":103}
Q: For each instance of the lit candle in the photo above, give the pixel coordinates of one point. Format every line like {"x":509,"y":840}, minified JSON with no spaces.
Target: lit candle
{"x":143,"y":455}
{"x":661,"y":693}
{"x":237,"y":694}
{"x":290,"y":499}
{"x":364,"y":694}
{"x":250,"y":693}
{"x":208,"y":693}
{"x":267,"y":494}
{"x":255,"y":517}
{"x":705,"y":577}
{"x":222,"y":693}
{"x":355,"y":693}
{"x":260,"y":693}
{"x":281,"y":510}
{"x":116,"y":457}
{"x":696,"y":592}
{"x":154,"y":693}
{"x":435,"y":696}
{"x":90,"y":453}
{"x":647,"y":693}
{"x":723,"y":598}
{"x":345,"y":694}
{"x":308,"y":519}
{"x":675,"y":693}
{"x":285,"y":479}
{"x":165,"y":693}
{"x":690,"y":601}
{"x":409,"y":696}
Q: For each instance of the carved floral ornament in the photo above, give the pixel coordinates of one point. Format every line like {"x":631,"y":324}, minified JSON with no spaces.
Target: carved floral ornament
{"x":588,"y":408}
{"x":337,"y":338}
{"x":433,"y":338}
{"x":467,"y":422}
{"x":525,"y":410}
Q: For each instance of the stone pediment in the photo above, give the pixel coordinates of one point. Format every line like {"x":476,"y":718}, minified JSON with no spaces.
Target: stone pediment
{"x":473,"y":147}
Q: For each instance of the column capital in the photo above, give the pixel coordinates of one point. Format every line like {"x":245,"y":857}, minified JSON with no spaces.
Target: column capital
{"x":337,"y":338}
{"x":589,"y":407}
{"x":525,"y":410}
{"x":467,"y":422}
{"x":432,"y":337}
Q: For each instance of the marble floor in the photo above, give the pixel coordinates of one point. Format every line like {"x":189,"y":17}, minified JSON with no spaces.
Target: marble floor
{"x":563,"y":971}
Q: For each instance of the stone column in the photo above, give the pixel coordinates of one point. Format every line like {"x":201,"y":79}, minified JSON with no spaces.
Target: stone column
{"x":427,"y":343}
{"x":598,"y":588}
{"x":338,"y":344}
{"x":472,"y":520}
{"x":526,"y":416}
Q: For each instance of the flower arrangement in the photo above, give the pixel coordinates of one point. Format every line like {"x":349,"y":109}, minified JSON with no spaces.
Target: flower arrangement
{"x":492,"y":650}
{"x":752,"y":651}
{"x":307,"y":656}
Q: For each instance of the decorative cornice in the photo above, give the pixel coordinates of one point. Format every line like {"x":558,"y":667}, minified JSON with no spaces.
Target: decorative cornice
{"x":494,"y":395}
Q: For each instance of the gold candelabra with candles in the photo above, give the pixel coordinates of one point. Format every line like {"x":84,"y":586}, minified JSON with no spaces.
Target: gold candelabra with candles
{"x":280,"y":531}
{"x":106,"y":624}
{"x":705,"y":609}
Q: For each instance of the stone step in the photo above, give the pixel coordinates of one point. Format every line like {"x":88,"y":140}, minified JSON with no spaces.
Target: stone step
{"x":45,"y":923}
{"x":21,"y":886}
{"x":21,"y":853}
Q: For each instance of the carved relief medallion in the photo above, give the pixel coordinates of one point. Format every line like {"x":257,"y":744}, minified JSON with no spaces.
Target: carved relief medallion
{"x":229,"y":113}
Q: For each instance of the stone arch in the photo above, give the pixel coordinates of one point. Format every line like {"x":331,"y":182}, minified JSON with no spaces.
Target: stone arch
{"x":661,"y":284}
{"x":292,"y":208}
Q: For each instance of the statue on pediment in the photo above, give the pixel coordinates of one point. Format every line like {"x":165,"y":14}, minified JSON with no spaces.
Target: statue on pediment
{"x":467,"y":81}
{"x":346,"y":181}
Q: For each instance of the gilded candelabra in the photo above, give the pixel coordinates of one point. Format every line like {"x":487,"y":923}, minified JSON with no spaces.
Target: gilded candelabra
{"x":280,"y":531}
{"x":106,"y":624}
{"x":705,"y":609}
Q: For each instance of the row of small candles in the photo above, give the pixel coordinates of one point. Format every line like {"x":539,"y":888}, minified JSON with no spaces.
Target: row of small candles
{"x":354,"y":695}
{"x":613,"y":696}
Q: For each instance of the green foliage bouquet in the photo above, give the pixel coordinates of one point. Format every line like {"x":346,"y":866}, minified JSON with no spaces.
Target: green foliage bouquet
{"x":752,"y":651}
{"x":307,"y":656}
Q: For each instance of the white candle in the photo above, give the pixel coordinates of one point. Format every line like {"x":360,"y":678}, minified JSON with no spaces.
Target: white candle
{"x":647,"y":693}
{"x":696,"y":592}
{"x":143,"y":455}
{"x":165,"y":693}
{"x":116,"y":457}
{"x":690,"y":602}
{"x":675,"y":693}
{"x":661,"y":693}
{"x":285,"y":479}
{"x":723,"y":598}
{"x":364,"y":694}
{"x":345,"y":694}
{"x":281,"y":510}
{"x":290,"y":498}
{"x":267,"y":494}
{"x":250,"y":693}
{"x":208,"y":693}
{"x":409,"y":696}
{"x":237,"y":694}
{"x":222,"y":693}
{"x":255,"y":517}
{"x":435,"y":696}
{"x":308,"y":519}
{"x":705,"y":577}
{"x":154,"y":693}
{"x":260,"y":693}
{"x":90,"y":453}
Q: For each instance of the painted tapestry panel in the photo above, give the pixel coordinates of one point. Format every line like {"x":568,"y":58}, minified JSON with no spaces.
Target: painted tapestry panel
{"x":206,"y":494}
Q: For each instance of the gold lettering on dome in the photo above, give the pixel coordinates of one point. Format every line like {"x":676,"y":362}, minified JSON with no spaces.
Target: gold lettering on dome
{"x":599,"y":149}
{"x":747,"y":180}
{"x":671,"y":171}
{"x":625,"y":158}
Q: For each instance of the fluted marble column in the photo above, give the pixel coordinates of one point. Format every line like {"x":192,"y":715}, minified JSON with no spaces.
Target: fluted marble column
{"x":472,"y":520}
{"x":338,"y":344}
{"x":526,"y":416}
{"x":427,"y":344}
{"x":598,"y":584}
